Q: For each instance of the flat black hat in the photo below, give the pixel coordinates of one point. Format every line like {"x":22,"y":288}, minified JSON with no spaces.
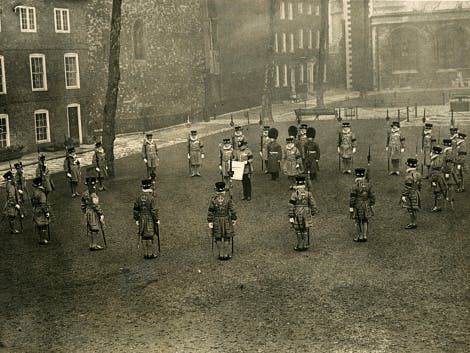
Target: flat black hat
{"x":273,"y":133}
{"x":396,"y":123}
{"x":8,"y":175}
{"x":18,"y":165}
{"x":428,"y":125}
{"x":98,"y":144}
{"x":227,"y":140}
{"x":220,"y":186}
{"x":300,"y":180}
{"x":437,"y":149}
{"x":360,"y":172}
{"x":90,"y":180}
{"x":266,"y":127}
{"x":412,"y":162}
{"x":447,"y":142}
{"x":303,"y":126}
{"x":462,"y":135}
{"x":193,"y":132}
{"x":146,"y":183}
{"x":346,"y":124}
{"x":70,"y":149}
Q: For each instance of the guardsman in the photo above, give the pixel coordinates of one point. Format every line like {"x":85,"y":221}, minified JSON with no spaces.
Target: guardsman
{"x":226,"y":156}
{"x":221,"y":217}
{"x":302,"y":140}
{"x":410,"y":196}
{"x":72,"y":170}
{"x":43,"y":171}
{"x":454,"y":135}
{"x":146,"y":218}
{"x":246,"y":156}
{"x":99,"y":164}
{"x":438,"y":183}
{"x":264,"y":149}
{"x":427,"y":143}
{"x":20,"y":182}
{"x":312,"y":154}
{"x":361,"y":202}
{"x":347,"y":145}
{"x":395,"y":147}
{"x":302,"y":208}
{"x":291,"y":161}
{"x":41,"y":211}
{"x":449,"y":171}
{"x":12,"y":207}
{"x":274,"y":154}
{"x":195,"y":153}
{"x":236,"y":139}
{"x":294,"y":133}
{"x":90,"y":205}
{"x":150,"y":154}
{"x":461,"y":154}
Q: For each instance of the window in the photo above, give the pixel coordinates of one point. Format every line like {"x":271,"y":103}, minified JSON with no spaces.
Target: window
{"x":310,"y":39}
{"x":405,"y":42}
{"x":284,"y":82}
{"x":37,"y":64}
{"x":41,"y":123}
{"x":27,"y":19}
{"x":276,"y":46}
{"x":300,"y":7}
{"x":276,"y":77}
{"x":284,"y":42}
{"x":4,"y":131}
{"x":139,"y":42}
{"x":309,"y":9}
{"x":61,"y":20}
{"x":451,"y":53}
{"x":317,"y":10}
{"x":318,"y":40}
{"x":72,"y":71}
{"x":291,"y":42}
{"x":302,"y":74}
{"x":282,"y":11}
{"x":3,"y":87}
{"x":291,"y":12}
{"x":301,"y":38}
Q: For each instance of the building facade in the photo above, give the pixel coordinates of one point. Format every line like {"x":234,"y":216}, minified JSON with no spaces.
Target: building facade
{"x":43,"y":64}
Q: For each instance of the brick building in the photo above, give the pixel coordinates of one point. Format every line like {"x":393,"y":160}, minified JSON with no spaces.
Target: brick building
{"x":421,"y":49}
{"x":43,"y":91}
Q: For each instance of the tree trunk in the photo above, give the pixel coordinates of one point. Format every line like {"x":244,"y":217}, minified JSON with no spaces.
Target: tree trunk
{"x":110,"y":107}
{"x":266,"y":99}
{"x":322,"y":52}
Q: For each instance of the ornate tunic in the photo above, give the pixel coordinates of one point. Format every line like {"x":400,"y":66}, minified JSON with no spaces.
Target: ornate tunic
{"x":92,"y":210}
{"x":195,"y":150}
{"x":292,"y":160}
{"x":41,"y":211}
{"x":226,"y":156}
{"x":99,"y":161}
{"x":346,"y":143}
{"x":437,"y":177}
{"x":362,"y":198}
{"x":429,"y":141}
{"x":302,"y":207}
{"x":450,"y":175}
{"x":146,"y":212}
{"x":150,"y":152}
{"x":43,"y":171}
{"x":395,"y":143}
{"x":312,"y":155}
{"x":221,"y":213}
{"x":72,"y":166}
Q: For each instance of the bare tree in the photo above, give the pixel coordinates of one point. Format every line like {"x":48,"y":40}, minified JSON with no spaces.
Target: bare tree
{"x":110,"y":107}
{"x":321,"y":52}
{"x":266,"y":98}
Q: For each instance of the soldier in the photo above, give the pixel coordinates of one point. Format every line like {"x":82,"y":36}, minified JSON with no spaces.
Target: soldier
{"x":246,"y":156}
{"x":302,"y":208}
{"x":347,"y":144}
{"x":291,"y":161}
{"x":361,"y":202}
{"x":236,"y":139}
{"x":312,"y":154}
{"x":274,"y":154}
{"x":72,"y":170}
{"x":90,"y":205}
{"x":438,"y":183}
{"x":43,"y":171}
{"x":146,"y":218}
{"x":294,"y":133}
{"x":395,"y":147}
{"x":454,"y":135}
{"x":222,"y":217}
{"x":301,"y":141}
{"x":150,"y":154}
{"x":461,"y":152}
{"x":195,"y":153}
{"x":264,"y":148}
{"x":99,"y":163}
{"x":12,"y":207}
{"x":41,"y":211}
{"x":410,"y":196}
{"x":448,"y":170}
{"x":20,"y":182}
{"x":427,"y":143}
{"x":226,"y":156}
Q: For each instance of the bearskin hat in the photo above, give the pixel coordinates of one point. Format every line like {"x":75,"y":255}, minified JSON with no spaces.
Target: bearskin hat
{"x":311,"y":132}
{"x":292,"y":130}
{"x":273,"y":133}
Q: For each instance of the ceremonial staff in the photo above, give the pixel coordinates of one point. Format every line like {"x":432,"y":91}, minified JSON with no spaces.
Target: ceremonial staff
{"x":16,"y":199}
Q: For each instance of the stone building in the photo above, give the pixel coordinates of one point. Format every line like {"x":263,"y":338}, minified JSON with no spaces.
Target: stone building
{"x":44,"y":88}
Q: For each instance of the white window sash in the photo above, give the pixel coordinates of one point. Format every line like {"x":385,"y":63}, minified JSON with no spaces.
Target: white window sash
{"x":3,"y":82}
{"x":277,"y":76}
{"x":7,"y":128}
{"x":27,"y":19}
{"x":301,"y":78}
{"x":47,"y":126}
{"x":301,"y":38}
{"x":76,"y":71}
{"x":284,"y":83}
{"x":62,"y":20}
{"x":291,"y":11}
{"x":317,"y":10}
{"x":284,"y":42}
{"x":292,"y":42}
{"x":310,"y":39}
{"x":318,"y":40}
{"x":44,"y":73}
{"x":282,"y":11}
{"x":276,"y":45}
{"x":309,"y":10}
{"x":300,"y":7}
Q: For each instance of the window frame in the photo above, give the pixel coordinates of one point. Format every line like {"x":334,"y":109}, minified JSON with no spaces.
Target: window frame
{"x":72,"y":55}
{"x":284,"y":42}
{"x":301,"y":74}
{"x":28,"y":22}
{"x":276,"y":45}
{"x":301,"y":38}
{"x":48,"y":127}
{"x":276,"y":77}
{"x":285,"y":78}
{"x":44,"y":78}
{"x":7,"y":125}
{"x":61,"y":10}
{"x":290,"y":11}
{"x":310,"y":39}
{"x":292,"y":43}
{"x":3,"y":79}
{"x":282,"y":10}
{"x":300,"y":7}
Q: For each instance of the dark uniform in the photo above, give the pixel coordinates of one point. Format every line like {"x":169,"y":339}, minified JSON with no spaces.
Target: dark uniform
{"x":347,"y":145}
{"x":274,"y":150}
{"x":395,"y":147}
{"x":410,"y":196}
{"x":428,"y":142}
{"x":246,"y":156}
{"x":99,"y":164}
{"x":302,"y":208}
{"x":43,"y":171}
{"x":438,"y":183}
{"x":20,"y":182}
{"x":361,"y":201}
{"x":150,"y":155}
{"x":221,"y":217}
{"x":461,"y":155}
{"x":90,"y":205}
{"x":312,"y":154}
{"x":146,"y":217}
{"x":195,"y":153}
{"x":264,"y":148}
{"x":237,"y":138}
{"x":72,"y":170}
{"x":226,"y":156}
{"x":41,"y":211}
{"x":12,"y":208}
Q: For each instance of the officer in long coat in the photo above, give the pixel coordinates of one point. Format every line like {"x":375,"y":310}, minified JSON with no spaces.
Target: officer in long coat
{"x":246,"y":156}
{"x":146,"y":218}
{"x":72,"y":170}
{"x":221,"y":218}
{"x":312,"y":154}
{"x":427,"y":143}
{"x":395,"y":147}
{"x":150,"y":155}
{"x":41,"y":211}
{"x":195,"y":153}
{"x":274,"y":154}
{"x":90,"y":205}
{"x":411,"y":193}
{"x":361,"y":201}
{"x":237,"y":138}
{"x":347,"y":144}
{"x":99,"y":164}
{"x":12,"y":208}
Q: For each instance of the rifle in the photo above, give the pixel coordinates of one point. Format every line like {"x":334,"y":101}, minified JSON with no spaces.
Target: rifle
{"x":104,"y":236}
{"x":368,"y":165}
{"x":189,"y":155}
{"x":262,"y":162}
{"x":157,"y":233}
{"x":221,"y":162}
{"x":308,"y":205}
{"x":16,"y":199}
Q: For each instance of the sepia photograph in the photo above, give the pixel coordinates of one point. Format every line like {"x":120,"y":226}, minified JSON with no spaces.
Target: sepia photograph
{"x":234,"y":176}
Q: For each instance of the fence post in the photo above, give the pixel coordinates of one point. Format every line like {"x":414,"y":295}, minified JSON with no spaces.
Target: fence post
{"x":424,"y":115}
{"x":398,"y":115}
{"x":416,"y":110}
{"x":451,"y":118}
{"x":339,"y":116}
{"x":407,"y":114}
{"x":388,"y":116}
